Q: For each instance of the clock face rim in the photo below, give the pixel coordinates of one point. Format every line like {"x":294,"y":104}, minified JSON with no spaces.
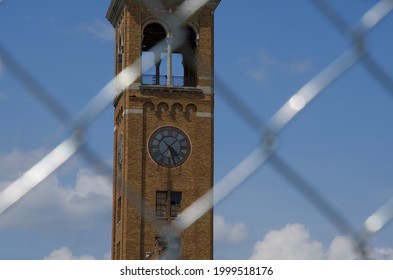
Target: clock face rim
{"x":152,"y":150}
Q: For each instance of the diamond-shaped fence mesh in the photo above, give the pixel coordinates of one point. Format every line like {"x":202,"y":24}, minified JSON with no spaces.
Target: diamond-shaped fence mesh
{"x":268,"y":132}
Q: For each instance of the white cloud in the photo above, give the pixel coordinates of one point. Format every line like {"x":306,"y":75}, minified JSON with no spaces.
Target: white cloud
{"x":55,"y":204}
{"x":88,"y":183}
{"x":259,"y":75}
{"x":291,"y":242}
{"x":294,"y":242}
{"x":99,"y":30}
{"x":16,"y":162}
{"x":228,"y":232}
{"x":265,"y":63}
{"x":258,"y":68}
{"x":64,"y":253}
{"x":382,"y":253}
{"x":341,"y":248}
{"x":299,"y":66}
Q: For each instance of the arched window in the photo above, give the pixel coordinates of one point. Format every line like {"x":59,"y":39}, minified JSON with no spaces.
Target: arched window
{"x":120,"y":51}
{"x":187,"y":50}
{"x":179,"y":48}
{"x":153,"y":34}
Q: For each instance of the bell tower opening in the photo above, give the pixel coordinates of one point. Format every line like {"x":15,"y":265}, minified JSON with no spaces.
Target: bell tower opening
{"x":188,"y":50}
{"x":153,"y":34}
{"x":172,"y":67}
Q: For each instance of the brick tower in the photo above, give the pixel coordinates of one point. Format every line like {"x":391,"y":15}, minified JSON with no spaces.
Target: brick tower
{"x":163,"y":136}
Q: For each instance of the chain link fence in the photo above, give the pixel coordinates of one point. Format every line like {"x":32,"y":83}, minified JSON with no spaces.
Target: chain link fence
{"x":268,"y":131}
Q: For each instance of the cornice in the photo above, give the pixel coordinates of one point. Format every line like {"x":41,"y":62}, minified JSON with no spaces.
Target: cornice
{"x":116,"y":7}
{"x":114,"y":11}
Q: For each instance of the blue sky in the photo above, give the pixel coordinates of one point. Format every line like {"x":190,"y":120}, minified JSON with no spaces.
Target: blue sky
{"x":264,"y":52}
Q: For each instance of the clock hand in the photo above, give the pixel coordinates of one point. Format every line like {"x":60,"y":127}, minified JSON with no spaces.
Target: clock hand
{"x":174,"y":154}
{"x":173,"y":159}
{"x":171,"y":150}
{"x":167,"y":148}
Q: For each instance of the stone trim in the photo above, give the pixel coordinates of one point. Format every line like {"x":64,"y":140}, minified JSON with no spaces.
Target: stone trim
{"x":133,"y":111}
{"x":204,"y":115}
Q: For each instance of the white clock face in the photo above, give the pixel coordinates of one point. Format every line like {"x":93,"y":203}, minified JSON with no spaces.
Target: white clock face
{"x":169,"y":146}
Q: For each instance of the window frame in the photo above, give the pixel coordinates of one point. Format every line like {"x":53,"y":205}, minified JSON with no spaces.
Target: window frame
{"x":168,"y":204}
{"x":161,"y":204}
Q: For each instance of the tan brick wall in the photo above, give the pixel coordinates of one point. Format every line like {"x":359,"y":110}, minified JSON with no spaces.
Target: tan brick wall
{"x":141,"y":175}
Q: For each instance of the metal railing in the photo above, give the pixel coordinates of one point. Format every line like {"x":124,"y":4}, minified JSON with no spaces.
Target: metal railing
{"x":177,"y":81}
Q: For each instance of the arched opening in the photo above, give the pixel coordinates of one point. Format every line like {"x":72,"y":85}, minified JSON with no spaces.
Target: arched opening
{"x":120,"y":52}
{"x":187,"y":52}
{"x":152,"y":35}
{"x":175,"y":62}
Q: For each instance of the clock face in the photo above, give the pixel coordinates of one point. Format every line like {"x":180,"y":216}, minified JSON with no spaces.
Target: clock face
{"x":169,"y":146}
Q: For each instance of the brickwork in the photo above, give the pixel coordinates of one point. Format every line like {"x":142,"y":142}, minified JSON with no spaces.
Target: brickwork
{"x":140,"y":111}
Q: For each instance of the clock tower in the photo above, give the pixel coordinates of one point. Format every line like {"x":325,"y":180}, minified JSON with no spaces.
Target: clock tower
{"x":163,"y":127}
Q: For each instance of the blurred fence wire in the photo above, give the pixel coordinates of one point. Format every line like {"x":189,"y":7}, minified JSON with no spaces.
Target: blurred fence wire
{"x":267,"y":130}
